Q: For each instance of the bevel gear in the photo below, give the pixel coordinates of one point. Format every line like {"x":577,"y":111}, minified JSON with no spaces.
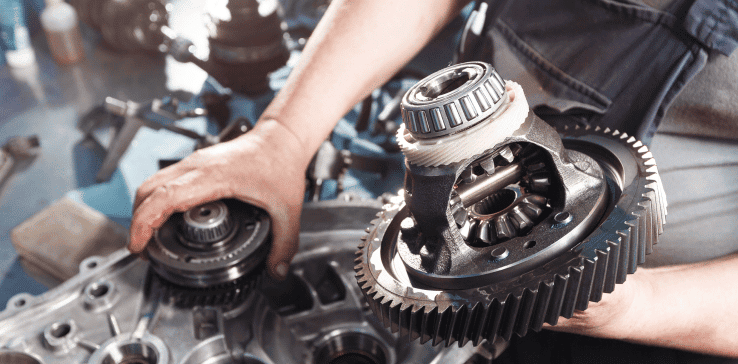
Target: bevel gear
{"x":604,"y":210}
{"x":212,"y":254}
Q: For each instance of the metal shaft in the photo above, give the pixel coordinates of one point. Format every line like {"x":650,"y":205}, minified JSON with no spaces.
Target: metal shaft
{"x":485,"y":185}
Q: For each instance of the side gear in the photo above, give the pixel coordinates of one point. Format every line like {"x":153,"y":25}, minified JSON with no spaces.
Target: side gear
{"x":599,"y":214}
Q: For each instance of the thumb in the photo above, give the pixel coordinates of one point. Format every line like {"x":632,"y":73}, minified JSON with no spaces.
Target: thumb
{"x":285,"y":241}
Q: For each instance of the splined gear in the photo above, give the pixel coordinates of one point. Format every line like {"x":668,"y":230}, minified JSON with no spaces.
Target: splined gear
{"x":226,"y":294}
{"x":211,"y":254}
{"x":511,"y":211}
{"x":207,"y":223}
{"x":631,"y":222}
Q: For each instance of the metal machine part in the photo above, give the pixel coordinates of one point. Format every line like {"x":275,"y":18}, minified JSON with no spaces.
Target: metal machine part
{"x":211,"y":253}
{"x":126,"y":25}
{"x":156,"y":114}
{"x":505,"y":225}
{"x":330,"y":163}
{"x":246,"y":38}
{"x":17,"y":149}
{"x":115,"y":311}
{"x":247,"y":42}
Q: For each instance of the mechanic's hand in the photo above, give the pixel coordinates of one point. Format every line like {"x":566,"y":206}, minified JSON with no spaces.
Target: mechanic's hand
{"x":265,"y":167}
{"x":615,"y":316}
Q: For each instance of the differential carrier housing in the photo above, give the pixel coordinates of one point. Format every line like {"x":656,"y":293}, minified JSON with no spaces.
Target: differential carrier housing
{"x":504,"y":223}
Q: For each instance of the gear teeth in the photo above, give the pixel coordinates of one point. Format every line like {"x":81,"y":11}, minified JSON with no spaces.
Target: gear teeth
{"x":520,"y":219}
{"x":469,"y":228}
{"x":485,"y":233}
{"x":598,"y":280}
{"x":612,"y":266}
{"x":504,"y":228}
{"x":507,"y":326}
{"x":527,"y":307}
{"x":394,"y":316}
{"x":623,"y":242}
{"x":494,"y":320}
{"x":545,"y":289}
{"x":570,"y":298}
{"x":427,"y":325}
{"x":219,"y":295}
{"x":561,"y":285}
{"x":585,"y":287}
{"x":625,"y":250}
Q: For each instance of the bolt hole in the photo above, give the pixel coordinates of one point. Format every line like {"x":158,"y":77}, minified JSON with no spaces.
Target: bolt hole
{"x":20,"y":303}
{"x":99,"y":290}
{"x":500,"y":253}
{"x":60,"y":330}
{"x":563,"y":217}
{"x":529,"y":244}
{"x":132,"y":353}
{"x":91,"y":265}
{"x":351,"y":348}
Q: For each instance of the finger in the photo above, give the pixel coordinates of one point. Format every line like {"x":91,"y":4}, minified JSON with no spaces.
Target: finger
{"x":159,"y":178}
{"x":286,"y":226}
{"x":179,"y":195}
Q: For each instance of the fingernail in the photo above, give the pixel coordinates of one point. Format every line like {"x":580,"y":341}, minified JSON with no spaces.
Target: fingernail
{"x":281,"y":269}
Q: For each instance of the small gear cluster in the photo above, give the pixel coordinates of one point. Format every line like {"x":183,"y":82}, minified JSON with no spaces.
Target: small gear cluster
{"x":212,"y":254}
{"x":507,"y":240}
{"x":509,"y":212}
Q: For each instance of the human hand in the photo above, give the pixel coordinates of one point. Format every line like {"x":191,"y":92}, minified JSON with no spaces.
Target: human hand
{"x":613,"y":317}
{"x":265,"y":167}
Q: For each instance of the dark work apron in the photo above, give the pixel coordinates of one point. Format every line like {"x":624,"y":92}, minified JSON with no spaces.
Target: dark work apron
{"x":612,"y":64}
{"x":607,"y":63}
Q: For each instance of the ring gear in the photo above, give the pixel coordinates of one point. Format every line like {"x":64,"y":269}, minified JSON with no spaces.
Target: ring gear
{"x":423,"y":301}
{"x":212,"y":254}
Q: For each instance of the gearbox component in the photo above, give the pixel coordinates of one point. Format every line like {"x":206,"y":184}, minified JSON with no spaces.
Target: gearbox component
{"x":116,"y":312}
{"x":496,"y":234}
{"x":212,"y":253}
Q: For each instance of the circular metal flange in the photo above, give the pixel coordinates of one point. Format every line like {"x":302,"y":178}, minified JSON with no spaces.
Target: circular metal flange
{"x":126,"y":348}
{"x":566,"y":280}
{"x":476,"y":135}
{"x":453,"y":99}
{"x":184,"y":262}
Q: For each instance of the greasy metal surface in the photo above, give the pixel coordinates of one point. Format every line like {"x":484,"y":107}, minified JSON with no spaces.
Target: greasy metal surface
{"x":116,"y":311}
{"x":211,"y":259}
{"x":453,"y":99}
{"x":633,"y":219}
{"x":580,"y":190}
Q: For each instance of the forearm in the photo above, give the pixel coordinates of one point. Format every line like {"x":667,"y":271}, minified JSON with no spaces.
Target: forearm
{"x":689,"y":307}
{"x":357,"y":47}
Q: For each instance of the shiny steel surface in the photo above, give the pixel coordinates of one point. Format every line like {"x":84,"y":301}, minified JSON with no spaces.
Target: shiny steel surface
{"x":441,"y":103}
{"x":547,"y":226}
{"x":317,"y":316}
{"x":203,"y":251}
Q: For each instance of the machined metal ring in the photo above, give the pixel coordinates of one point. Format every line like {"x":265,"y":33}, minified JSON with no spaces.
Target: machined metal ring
{"x":453,"y":99}
{"x":197,"y":264}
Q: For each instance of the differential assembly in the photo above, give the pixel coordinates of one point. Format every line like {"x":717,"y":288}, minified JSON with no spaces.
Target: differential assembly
{"x":211,"y":254}
{"x":503,"y":224}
